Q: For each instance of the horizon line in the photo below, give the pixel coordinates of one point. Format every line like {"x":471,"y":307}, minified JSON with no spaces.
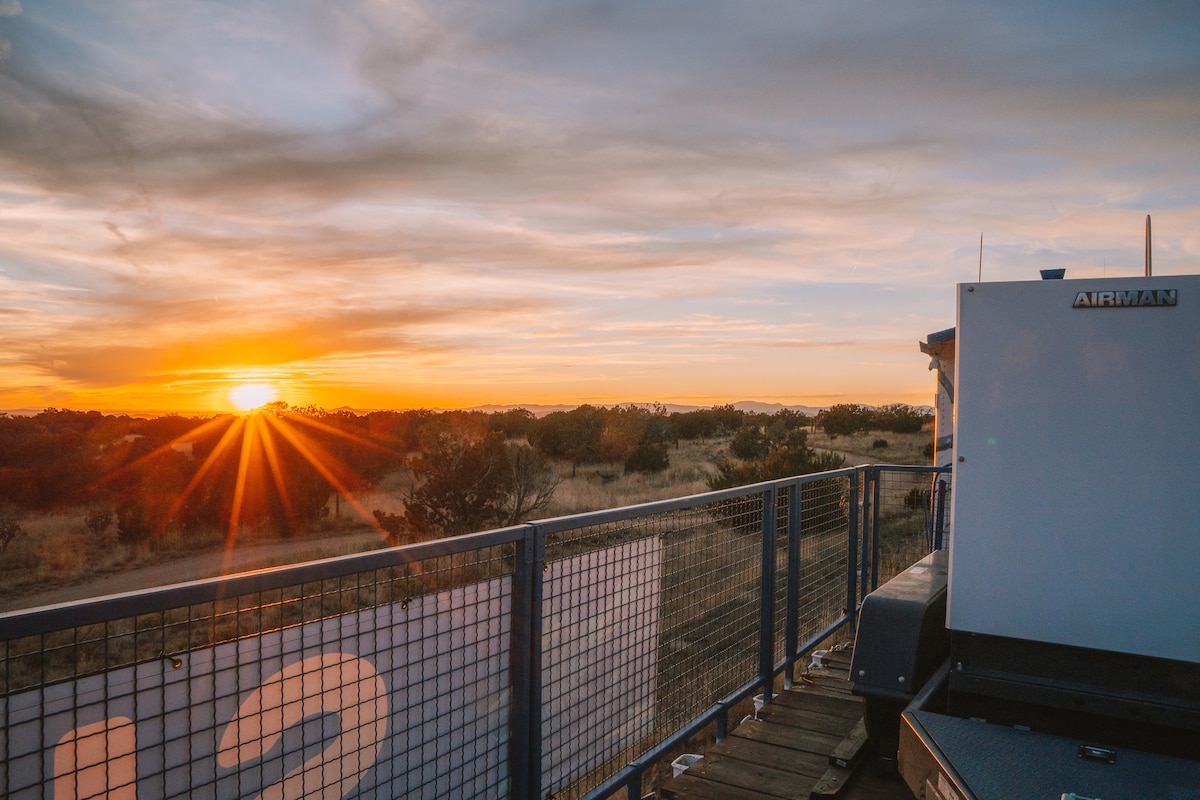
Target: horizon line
{"x":547,"y":408}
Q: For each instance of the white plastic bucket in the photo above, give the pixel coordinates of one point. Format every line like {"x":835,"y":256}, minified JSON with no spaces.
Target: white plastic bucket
{"x":679,"y":765}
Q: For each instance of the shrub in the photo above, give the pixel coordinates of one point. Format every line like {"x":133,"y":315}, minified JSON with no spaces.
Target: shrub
{"x":845,"y":418}
{"x":648,"y":458}
{"x":750,"y":442}
{"x":132,"y":525}
{"x":397,"y":527}
{"x":879,"y":444}
{"x":98,"y":521}
{"x":917,"y":498}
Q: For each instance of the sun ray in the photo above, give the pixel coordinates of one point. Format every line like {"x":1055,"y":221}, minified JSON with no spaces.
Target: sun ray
{"x":272,"y":454}
{"x":239,"y":487}
{"x":350,"y":437}
{"x":318,"y":458}
{"x":162,"y":449}
{"x":224,"y":444}
{"x":260,"y":438}
{"x":306,"y":448}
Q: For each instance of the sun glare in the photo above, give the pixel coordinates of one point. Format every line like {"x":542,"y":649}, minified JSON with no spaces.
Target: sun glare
{"x":248,"y":396}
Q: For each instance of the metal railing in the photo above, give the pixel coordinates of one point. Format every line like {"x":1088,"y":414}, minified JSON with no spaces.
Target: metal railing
{"x":563,"y":658}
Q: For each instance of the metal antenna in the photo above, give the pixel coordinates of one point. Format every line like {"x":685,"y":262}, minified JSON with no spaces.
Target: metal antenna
{"x":981,"y":256}
{"x":1147,"y":245}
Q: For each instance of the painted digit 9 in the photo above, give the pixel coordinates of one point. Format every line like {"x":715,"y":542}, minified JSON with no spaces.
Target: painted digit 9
{"x":97,"y":761}
{"x":332,"y":683}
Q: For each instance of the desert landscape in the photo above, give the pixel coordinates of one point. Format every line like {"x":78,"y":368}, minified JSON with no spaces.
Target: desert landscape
{"x":62,"y":555}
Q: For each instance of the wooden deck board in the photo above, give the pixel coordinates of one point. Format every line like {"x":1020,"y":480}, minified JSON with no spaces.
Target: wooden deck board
{"x":786,"y":752}
{"x":825,"y":704}
{"x":815,"y":721}
{"x":831,"y":682}
{"x":688,"y":787}
{"x":758,"y":777}
{"x":807,"y":741}
{"x":775,"y":756}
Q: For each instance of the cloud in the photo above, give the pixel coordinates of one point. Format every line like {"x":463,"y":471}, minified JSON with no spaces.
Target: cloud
{"x":8,"y":8}
{"x":369,"y":181}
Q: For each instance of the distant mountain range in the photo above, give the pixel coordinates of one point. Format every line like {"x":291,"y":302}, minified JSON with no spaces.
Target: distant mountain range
{"x":750,"y":406}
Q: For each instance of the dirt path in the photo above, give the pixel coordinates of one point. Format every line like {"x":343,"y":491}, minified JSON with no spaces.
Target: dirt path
{"x":257,"y":555}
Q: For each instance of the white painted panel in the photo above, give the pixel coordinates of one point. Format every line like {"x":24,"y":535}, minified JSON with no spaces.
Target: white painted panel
{"x":600,"y":645}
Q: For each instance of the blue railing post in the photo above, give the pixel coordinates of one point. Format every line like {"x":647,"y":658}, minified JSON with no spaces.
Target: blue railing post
{"x":865,"y":523}
{"x":876,"y":472}
{"x":766,"y":622}
{"x":939,"y":515}
{"x":525,"y":669}
{"x":791,"y":628}
{"x":852,"y":556}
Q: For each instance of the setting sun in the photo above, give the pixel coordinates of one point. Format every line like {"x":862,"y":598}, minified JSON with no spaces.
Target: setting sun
{"x":249,"y":396}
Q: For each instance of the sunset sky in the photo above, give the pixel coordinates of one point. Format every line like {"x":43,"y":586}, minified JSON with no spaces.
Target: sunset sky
{"x":449,"y":203}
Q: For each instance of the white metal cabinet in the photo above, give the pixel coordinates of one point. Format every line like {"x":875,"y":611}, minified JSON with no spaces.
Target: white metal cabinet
{"x":1076,"y":503}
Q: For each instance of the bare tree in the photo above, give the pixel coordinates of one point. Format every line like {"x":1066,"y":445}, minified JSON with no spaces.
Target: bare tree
{"x":470,"y":481}
{"x":532,"y":483}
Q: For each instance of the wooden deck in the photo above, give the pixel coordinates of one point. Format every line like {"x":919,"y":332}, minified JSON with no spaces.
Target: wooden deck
{"x":808,"y":742}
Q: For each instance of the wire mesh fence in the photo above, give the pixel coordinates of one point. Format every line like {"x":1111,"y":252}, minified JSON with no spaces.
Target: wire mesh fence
{"x":911,"y":511}
{"x":559,"y":658}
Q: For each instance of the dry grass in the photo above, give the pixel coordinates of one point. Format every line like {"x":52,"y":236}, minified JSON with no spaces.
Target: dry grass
{"x":902,"y":448}
{"x":592,"y":487}
{"x":57,"y":552}
{"x":58,"y":548}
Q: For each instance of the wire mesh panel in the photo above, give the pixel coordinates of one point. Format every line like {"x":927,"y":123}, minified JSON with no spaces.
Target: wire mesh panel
{"x":679,"y":592}
{"x":905,"y":519}
{"x":780,"y":547}
{"x":390,"y":682}
{"x":600,"y":631}
{"x":824,"y":546}
{"x":712,"y":595}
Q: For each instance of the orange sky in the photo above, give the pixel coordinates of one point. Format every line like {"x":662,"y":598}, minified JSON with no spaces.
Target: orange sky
{"x":446,"y":205}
